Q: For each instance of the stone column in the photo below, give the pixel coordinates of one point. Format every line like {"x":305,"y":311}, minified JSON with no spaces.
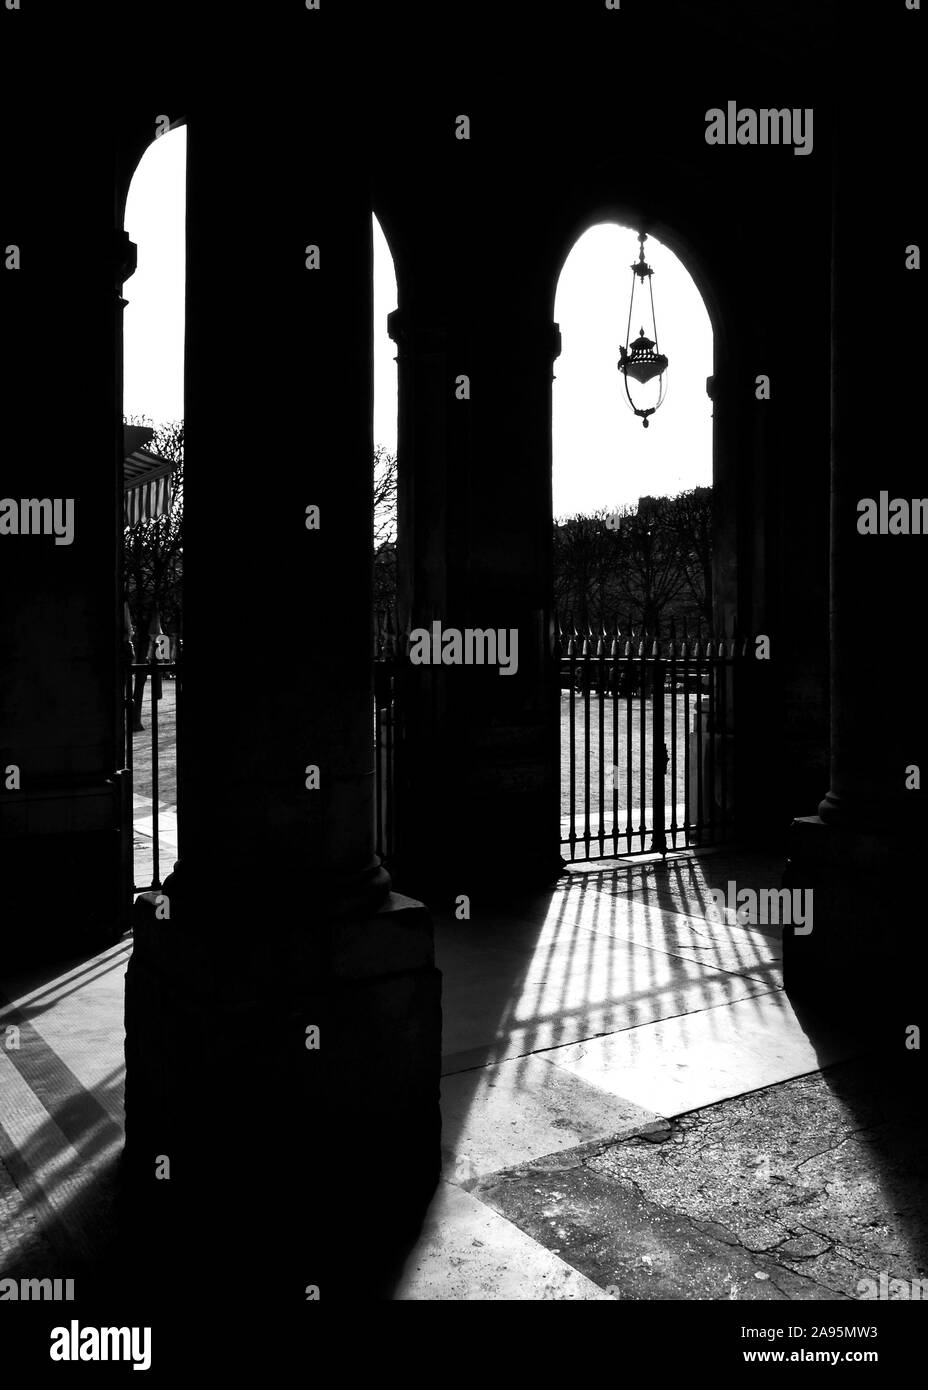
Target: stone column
{"x":478,"y":761}
{"x":60,"y":611}
{"x":860,"y":853}
{"x":281,"y":920}
{"x":279,"y":421}
{"x":424,"y":754}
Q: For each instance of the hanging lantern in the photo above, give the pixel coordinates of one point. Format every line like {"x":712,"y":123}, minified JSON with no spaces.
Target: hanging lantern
{"x":641,"y":360}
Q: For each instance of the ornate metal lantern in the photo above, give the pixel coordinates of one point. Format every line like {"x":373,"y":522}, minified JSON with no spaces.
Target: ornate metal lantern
{"x":642,"y":360}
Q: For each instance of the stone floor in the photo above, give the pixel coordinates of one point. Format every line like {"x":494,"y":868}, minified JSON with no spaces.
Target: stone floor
{"x":145,"y":782}
{"x":607,"y":1021}
{"x":61,"y":1097}
{"x":799,"y":1191}
{"x":633,"y":1109}
{"x":143,"y":840}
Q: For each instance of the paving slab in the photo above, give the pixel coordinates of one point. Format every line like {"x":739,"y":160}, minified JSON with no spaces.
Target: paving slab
{"x":167,"y":828}
{"x":61,"y":1102}
{"x":511,"y":988}
{"x":469,"y":1253}
{"x":696,"y":1059}
{"x":55,"y":1160}
{"x":812,"y":1189}
{"x":499,"y":1116}
{"x":752,"y":950}
{"x":633,"y":1248}
{"x":71,"y":1028}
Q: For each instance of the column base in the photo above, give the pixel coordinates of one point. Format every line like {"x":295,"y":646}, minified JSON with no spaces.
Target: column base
{"x":310,"y":1153}
{"x":866,"y":954}
{"x":504,"y":871}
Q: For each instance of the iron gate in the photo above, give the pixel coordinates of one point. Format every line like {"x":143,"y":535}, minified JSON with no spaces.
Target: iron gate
{"x":160,"y":678}
{"x":646,"y":738}
{"x":646,"y":735}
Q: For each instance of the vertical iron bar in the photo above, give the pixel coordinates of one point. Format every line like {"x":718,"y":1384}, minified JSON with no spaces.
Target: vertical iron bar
{"x":602,"y":744}
{"x":572,"y":704}
{"x":687,"y":804}
{"x":723,"y":748}
{"x":178,"y":741}
{"x":700,"y":742}
{"x":642,"y":738}
{"x":585,"y":657}
{"x":390,"y":760}
{"x":629,"y":705}
{"x":378,"y":758}
{"x":128,"y":817}
{"x":155,"y":846}
{"x":615,"y":742}
{"x":658,"y":807}
{"x":711,"y":735}
{"x":673,"y":738}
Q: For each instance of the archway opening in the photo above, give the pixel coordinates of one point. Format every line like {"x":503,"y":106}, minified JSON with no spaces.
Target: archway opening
{"x":632,"y":558}
{"x":385,"y":499}
{"x":385,"y":425}
{"x":153,"y":413}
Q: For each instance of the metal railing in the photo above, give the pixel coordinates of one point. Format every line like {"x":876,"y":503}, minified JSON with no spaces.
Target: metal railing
{"x":386,"y":683}
{"x":639,"y":709}
{"x":647,"y":726}
{"x":151,"y":675}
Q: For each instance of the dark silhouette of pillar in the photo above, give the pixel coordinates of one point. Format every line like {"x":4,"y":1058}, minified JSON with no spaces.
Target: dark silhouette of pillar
{"x":60,"y":609}
{"x":279,"y":920}
{"x":860,"y":853}
{"x":478,"y":758}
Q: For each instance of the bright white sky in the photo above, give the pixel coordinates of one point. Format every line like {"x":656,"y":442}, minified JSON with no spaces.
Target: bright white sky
{"x":153,"y":322}
{"x":602,"y":455}
{"x":384,"y":347}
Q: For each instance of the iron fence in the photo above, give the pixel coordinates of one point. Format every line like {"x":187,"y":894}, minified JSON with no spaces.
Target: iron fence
{"x":640,"y":709}
{"x":647,"y":728}
{"x":157,"y":676}
{"x":386,"y":683}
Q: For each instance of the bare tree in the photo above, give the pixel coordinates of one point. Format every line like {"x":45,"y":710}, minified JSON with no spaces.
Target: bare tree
{"x":385,"y":500}
{"x":588,"y":553}
{"x":645,"y":561}
{"x":690,"y":516}
{"x":649,"y":577}
{"x":385,"y":489}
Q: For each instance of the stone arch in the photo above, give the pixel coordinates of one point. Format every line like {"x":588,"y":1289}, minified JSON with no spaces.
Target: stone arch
{"x":686,"y":249}
{"x":135,"y":140}
{"x":664,"y":292}
{"x":692,"y":251}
